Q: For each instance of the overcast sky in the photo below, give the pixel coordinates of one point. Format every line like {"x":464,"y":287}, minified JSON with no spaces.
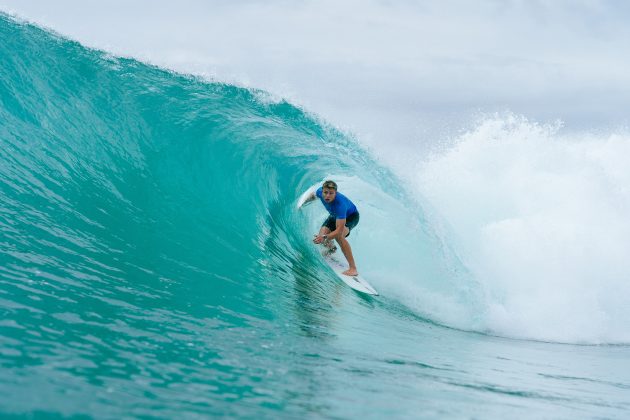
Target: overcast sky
{"x":389,"y":71}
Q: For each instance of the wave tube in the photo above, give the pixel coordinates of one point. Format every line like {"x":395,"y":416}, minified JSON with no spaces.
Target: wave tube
{"x":127,"y":187}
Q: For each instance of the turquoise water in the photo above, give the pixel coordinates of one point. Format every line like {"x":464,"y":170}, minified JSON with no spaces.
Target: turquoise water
{"x":152,"y":264}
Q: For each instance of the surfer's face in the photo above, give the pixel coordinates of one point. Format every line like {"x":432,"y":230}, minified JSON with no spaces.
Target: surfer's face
{"x":329,"y":194}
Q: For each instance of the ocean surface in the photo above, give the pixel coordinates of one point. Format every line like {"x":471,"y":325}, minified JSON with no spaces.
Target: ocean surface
{"x":152,"y":262}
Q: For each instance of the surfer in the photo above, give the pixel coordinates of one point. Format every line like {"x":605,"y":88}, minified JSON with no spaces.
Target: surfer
{"x":343,"y":217}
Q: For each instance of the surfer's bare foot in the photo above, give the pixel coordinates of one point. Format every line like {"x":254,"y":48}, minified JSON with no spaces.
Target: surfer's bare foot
{"x":351,"y":272}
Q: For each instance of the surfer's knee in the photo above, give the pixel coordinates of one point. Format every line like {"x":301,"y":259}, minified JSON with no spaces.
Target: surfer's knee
{"x":346,"y":232}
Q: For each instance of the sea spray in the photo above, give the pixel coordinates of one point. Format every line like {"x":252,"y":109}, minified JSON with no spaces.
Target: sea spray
{"x":541,"y":218}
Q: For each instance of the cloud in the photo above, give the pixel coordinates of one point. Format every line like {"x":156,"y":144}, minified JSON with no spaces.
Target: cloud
{"x":379,"y":67}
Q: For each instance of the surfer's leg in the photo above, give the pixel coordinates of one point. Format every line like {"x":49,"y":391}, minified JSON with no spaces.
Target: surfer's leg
{"x":351,"y":222}
{"x":327,"y":227}
{"x":328,"y":244}
{"x":324,"y":231}
{"x":347,"y":252}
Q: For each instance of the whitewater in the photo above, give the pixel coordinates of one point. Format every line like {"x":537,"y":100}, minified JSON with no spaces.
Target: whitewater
{"x":152,"y":262}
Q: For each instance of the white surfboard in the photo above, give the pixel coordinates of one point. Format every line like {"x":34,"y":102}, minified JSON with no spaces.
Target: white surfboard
{"x":358,"y":283}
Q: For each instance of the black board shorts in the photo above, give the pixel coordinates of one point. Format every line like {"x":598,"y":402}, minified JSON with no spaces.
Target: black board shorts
{"x":351,"y":222}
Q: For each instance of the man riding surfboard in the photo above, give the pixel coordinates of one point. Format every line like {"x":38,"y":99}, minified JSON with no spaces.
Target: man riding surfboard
{"x":343,"y":217}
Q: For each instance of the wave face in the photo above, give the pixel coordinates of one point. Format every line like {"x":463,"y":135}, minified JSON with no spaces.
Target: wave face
{"x":149,"y":233}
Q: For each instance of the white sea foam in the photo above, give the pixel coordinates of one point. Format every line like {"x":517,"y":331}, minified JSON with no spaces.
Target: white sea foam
{"x":542,"y":221}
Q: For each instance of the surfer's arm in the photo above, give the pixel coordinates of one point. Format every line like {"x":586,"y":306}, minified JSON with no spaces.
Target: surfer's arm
{"x":340,"y":224}
{"x":305,"y":199}
{"x":310,"y":198}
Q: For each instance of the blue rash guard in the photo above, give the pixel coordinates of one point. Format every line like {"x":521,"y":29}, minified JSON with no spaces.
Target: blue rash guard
{"x":340,"y":208}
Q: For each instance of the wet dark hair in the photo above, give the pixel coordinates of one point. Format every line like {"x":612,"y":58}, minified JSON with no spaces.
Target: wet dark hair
{"x":330,"y":184}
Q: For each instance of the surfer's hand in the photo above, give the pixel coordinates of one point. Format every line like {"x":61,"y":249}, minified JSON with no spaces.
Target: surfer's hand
{"x":318,"y":239}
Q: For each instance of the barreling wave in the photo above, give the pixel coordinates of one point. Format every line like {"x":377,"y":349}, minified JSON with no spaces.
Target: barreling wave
{"x":125,"y":187}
